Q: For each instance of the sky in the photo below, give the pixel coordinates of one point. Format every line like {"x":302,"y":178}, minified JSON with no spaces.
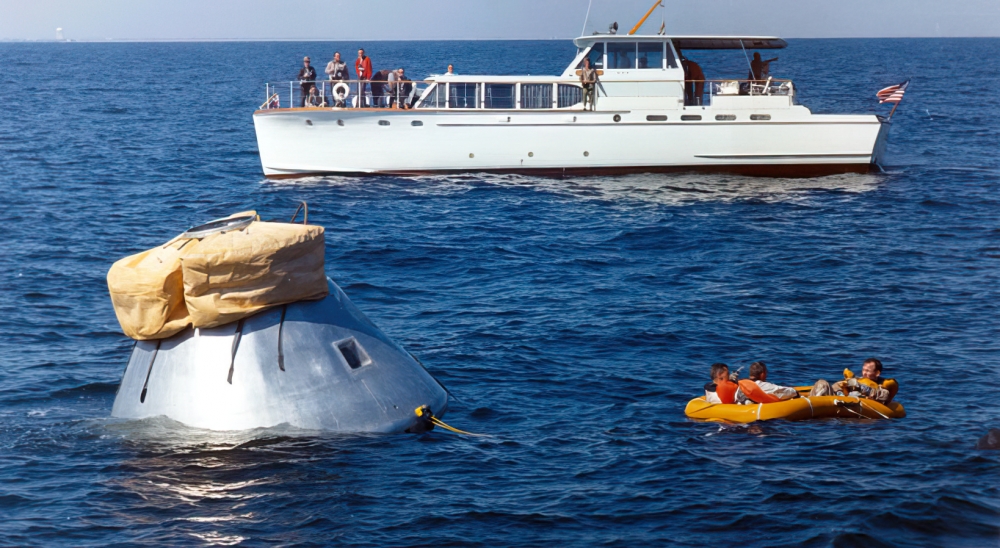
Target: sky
{"x":483,"y":19}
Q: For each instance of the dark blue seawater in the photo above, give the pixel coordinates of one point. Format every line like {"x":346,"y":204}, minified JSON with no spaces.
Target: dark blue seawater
{"x":573,"y":318}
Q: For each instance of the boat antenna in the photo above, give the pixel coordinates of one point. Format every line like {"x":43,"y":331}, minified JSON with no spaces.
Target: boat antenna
{"x":587,"y":18}
{"x":749,"y":64}
{"x":659,"y":3}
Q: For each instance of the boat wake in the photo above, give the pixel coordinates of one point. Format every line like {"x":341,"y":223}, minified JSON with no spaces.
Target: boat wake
{"x":661,"y":189}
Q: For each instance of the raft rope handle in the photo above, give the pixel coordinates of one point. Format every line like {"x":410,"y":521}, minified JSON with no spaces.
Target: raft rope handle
{"x":759,"y":406}
{"x":842,"y":403}
{"x":812,"y":412}
{"x":871,"y":408}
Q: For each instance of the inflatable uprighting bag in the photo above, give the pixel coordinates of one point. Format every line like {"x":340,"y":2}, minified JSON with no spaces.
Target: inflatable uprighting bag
{"x":147,"y":292}
{"x":217,"y":273}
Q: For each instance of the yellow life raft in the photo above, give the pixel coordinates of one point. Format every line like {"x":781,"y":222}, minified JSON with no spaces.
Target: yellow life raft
{"x":803,"y":408}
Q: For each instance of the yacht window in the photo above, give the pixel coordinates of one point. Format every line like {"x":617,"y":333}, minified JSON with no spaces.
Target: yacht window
{"x":499,"y":95}
{"x":760,"y":116}
{"x":725,"y":117}
{"x":651,"y":55}
{"x":596,"y":56}
{"x":621,"y":55}
{"x":463,"y":95}
{"x":434,"y":98}
{"x":569,"y":95}
{"x":536,"y":95}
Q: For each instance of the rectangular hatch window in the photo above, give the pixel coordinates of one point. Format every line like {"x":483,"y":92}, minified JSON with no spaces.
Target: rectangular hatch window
{"x":353,"y":353}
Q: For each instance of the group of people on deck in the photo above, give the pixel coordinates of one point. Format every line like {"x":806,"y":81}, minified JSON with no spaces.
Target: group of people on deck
{"x":388,"y":88}
{"x":724,"y":387}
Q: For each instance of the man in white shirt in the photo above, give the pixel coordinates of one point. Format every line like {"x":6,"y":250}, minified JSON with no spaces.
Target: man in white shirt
{"x":758,"y":374}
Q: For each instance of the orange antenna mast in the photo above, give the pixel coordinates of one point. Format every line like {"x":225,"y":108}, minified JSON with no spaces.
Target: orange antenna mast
{"x":659,"y":3}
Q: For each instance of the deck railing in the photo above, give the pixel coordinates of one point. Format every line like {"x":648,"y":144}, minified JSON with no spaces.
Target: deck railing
{"x":555,"y":93}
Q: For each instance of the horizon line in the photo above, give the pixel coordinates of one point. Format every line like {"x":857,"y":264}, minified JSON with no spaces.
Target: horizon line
{"x":212,"y":40}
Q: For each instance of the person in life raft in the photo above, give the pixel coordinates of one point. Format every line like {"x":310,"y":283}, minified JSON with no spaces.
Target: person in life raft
{"x":724,"y":387}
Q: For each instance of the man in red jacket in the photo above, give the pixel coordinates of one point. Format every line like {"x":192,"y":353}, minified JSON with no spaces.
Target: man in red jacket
{"x":363,"y":68}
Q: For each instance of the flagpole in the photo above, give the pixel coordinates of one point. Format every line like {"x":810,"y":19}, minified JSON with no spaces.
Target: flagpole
{"x":893,"y":110}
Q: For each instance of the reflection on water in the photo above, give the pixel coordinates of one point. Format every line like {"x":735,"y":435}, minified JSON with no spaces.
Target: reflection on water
{"x":664,"y":189}
{"x":204,"y":480}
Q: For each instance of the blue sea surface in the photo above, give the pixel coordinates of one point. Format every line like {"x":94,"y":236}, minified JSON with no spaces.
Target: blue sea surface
{"x":572,"y":318}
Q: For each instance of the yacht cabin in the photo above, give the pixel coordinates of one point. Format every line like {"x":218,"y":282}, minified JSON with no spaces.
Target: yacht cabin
{"x":635,"y":73}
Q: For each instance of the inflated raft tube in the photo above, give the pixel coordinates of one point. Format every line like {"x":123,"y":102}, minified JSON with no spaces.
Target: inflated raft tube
{"x":797,"y":409}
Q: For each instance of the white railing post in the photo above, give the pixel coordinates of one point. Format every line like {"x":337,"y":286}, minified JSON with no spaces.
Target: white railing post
{"x":291,"y":96}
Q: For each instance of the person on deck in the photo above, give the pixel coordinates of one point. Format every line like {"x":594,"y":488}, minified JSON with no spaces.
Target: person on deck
{"x":451,"y":70}
{"x":759,"y":70}
{"x":722,"y":389}
{"x":694,"y":82}
{"x":379,"y":85}
{"x":307,"y":79}
{"x":313,"y":99}
{"x":363,"y":68}
{"x":588,"y":79}
{"x":336,"y":70}
{"x":405,"y":89}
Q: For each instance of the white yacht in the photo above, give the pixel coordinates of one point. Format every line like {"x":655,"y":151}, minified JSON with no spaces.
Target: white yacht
{"x":647,"y":118}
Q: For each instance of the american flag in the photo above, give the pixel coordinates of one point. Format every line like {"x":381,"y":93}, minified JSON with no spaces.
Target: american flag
{"x":892,"y":94}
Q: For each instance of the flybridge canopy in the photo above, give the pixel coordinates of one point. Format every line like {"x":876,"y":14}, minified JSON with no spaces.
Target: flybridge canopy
{"x":691,"y":42}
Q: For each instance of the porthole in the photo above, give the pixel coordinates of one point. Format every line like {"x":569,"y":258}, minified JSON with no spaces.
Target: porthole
{"x":531,"y":154}
{"x":340,"y":122}
{"x":656,"y":118}
{"x":585,"y":153}
{"x":383,"y":122}
{"x":416,"y":123}
{"x":760,"y":116}
{"x":618,"y":118}
{"x":725,"y":117}
{"x":691,"y":117}
{"x":309,"y":122}
{"x":471,"y":155}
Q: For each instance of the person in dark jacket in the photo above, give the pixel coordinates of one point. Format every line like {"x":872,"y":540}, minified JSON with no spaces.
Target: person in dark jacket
{"x":380,"y":83}
{"x":307,"y":79}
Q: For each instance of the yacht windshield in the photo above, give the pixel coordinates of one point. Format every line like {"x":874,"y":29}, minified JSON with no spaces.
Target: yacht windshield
{"x":621,"y":55}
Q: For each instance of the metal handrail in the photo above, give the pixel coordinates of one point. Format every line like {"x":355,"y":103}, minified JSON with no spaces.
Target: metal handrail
{"x":723,"y":86}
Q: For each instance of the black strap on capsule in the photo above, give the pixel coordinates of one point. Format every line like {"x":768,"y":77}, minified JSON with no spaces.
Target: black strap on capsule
{"x":145,"y":385}
{"x":281,"y":327}
{"x":236,"y":346}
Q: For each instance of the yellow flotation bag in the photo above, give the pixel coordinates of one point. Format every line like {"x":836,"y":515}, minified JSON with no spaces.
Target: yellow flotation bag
{"x":796,"y":409}
{"x":217,"y":273}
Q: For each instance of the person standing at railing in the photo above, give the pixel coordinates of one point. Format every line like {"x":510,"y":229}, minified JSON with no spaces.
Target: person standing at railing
{"x":363,"y":68}
{"x":759,"y":69}
{"x":404,"y":87}
{"x":379,"y":84}
{"x":307,"y":79}
{"x":694,"y":82}
{"x":588,"y":79}
{"x":336,"y":70}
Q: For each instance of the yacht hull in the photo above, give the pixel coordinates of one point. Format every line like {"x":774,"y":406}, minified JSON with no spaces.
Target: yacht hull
{"x":792,"y":143}
{"x":231,"y":377}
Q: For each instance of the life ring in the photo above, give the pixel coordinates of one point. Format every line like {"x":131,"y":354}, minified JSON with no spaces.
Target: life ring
{"x":341,"y":91}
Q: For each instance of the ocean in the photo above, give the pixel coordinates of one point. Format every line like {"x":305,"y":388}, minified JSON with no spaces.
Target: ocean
{"x":571,"y":318}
